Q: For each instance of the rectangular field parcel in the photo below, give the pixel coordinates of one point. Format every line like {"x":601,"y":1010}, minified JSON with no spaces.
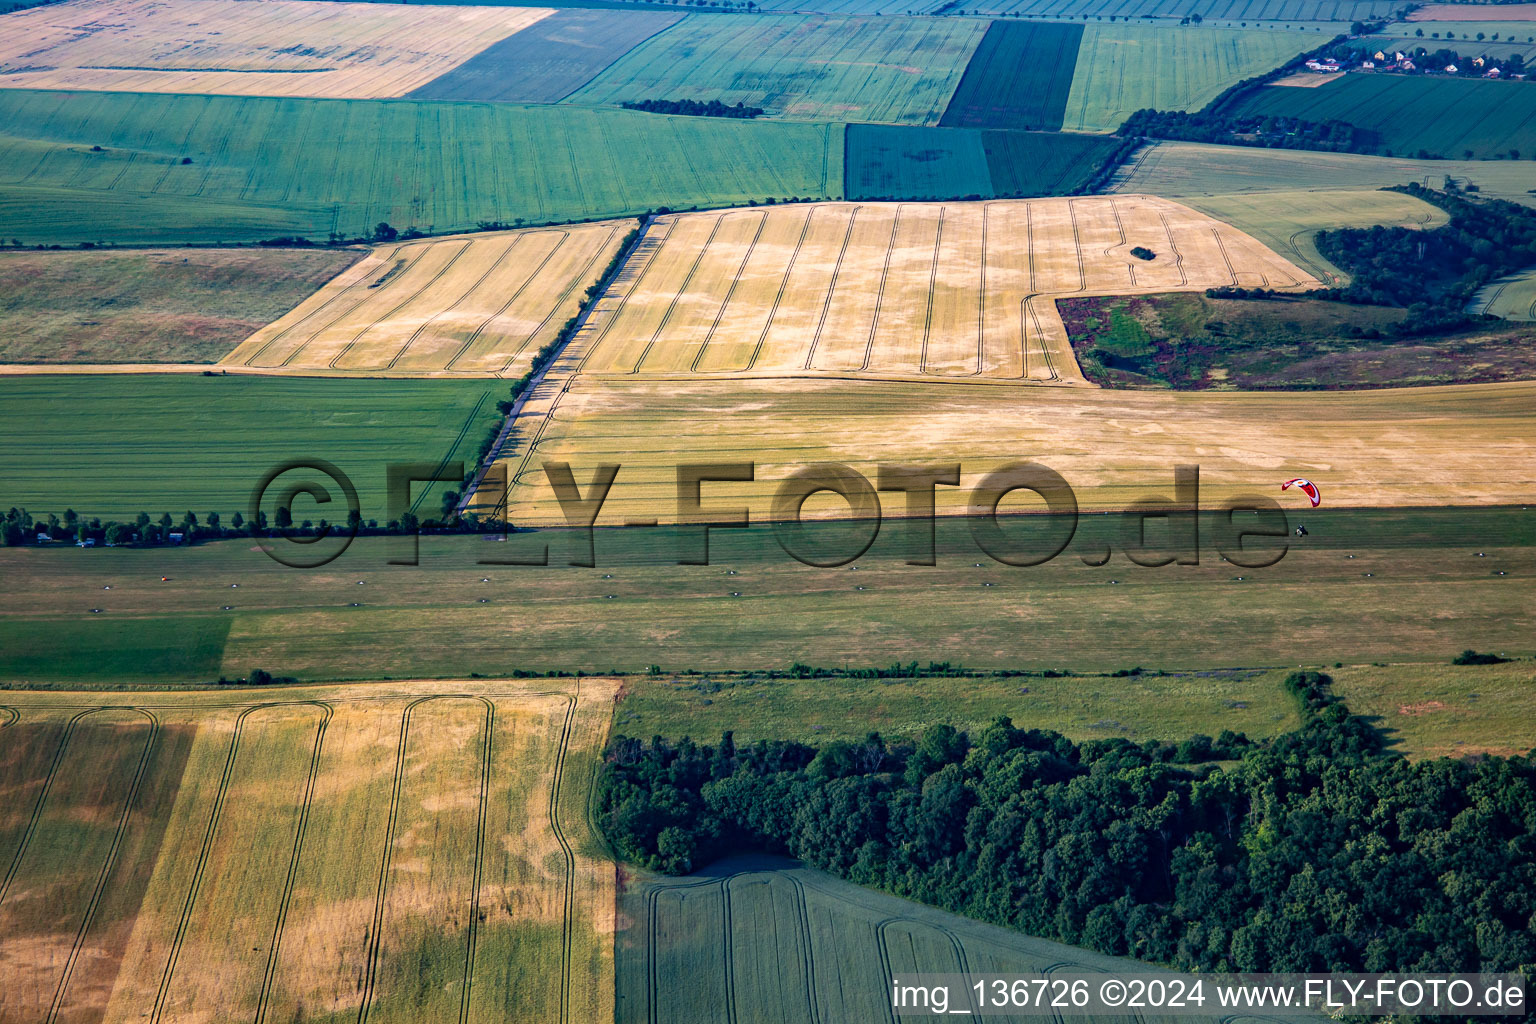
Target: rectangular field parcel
{"x":899,"y":289}
{"x":550,"y":59}
{"x":246,"y":47}
{"x":173,"y":442}
{"x":1018,"y":78}
{"x":899,"y":70}
{"x":1124,"y":68}
{"x":392,"y":852}
{"x":480,"y":304}
{"x":1179,"y":169}
{"x":150,"y":306}
{"x":894,"y":162}
{"x":268,"y":167}
{"x":1414,"y":115}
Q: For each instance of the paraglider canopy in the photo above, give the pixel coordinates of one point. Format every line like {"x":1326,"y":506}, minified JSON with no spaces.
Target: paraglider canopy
{"x":1306,"y":487}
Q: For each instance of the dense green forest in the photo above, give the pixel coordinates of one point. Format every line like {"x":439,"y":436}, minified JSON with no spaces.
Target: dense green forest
{"x":1433,"y":274}
{"x":1319,"y":850}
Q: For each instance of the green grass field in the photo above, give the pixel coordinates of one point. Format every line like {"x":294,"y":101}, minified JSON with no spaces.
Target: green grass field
{"x":1446,"y":710}
{"x":1288,"y":222}
{"x":169,"y":443}
{"x":1512,"y":297}
{"x":265,"y":167}
{"x":1363,"y":586}
{"x":1082,"y":707}
{"x":1178,"y":169}
{"x":896,"y":70}
{"x":1414,"y":115}
{"x":1124,"y":68}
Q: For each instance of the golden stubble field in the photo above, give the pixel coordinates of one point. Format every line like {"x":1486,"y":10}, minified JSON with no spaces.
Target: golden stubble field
{"x":901,"y":290}
{"x":390,"y":852}
{"x":477,"y":304}
{"x":247,"y":47}
{"x":1468,"y":444}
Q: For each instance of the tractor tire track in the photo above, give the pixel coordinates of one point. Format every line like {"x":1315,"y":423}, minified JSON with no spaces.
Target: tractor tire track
{"x":475,"y":335}
{"x":725,"y":303}
{"x":162,"y":994}
{"x":397,"y":307}
{"x":380,"y":902}
{"x":678,"y":295}
{"x":42,"y":798}
{"x":778,"y":296}
{"x":448,"y":307}
{"x":826,"y":306}
{"x":150,"y":741}
{"x":274,"y":948}
{"x":933,"y":277}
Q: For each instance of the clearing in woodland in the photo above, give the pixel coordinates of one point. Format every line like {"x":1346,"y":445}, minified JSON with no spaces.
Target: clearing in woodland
{"x":388,"y":852}
{"x":476,"y":304}
{"x":247,"y":47}
{"x":906,"y":290}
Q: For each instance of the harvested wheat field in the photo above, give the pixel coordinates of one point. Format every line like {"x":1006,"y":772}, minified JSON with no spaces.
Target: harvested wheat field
{"x":478,"y":304}
{"x":395,"y":852}
{"x":900,"y":290}
{"x":1466,"y":444}
{"x":247,"y":47}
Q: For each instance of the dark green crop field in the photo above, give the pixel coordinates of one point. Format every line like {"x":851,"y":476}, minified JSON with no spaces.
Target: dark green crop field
{"x":209,"y":168}
{"x":1416,"y":116}
{"x":1019,"y":77}
{"x":891,"y":162}
{"x":169,"y":443}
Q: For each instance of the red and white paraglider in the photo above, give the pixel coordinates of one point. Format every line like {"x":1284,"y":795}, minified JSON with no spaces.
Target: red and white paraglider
{"x":1306,"y":487}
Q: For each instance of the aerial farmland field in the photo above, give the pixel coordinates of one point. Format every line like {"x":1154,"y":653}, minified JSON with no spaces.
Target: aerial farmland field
{"x":900,"y":290}
{"x":225,"y":168}
{"x":173,"y":442}
{"x":1124,"y":68}
{"x":895,"y":70}
{"x":1512,"y":298}
{"x":217,"y":858}
{"x":1289,"y":221}
{"x":1180,"y":169}
{"x":1018,"y":78}
{"x":247,"y":48}
{"x":473,"y":304}
{"x":1414,"y":115}
{"x":150,"y":305}
{"x":893,"y":162}
{"x":550,"y":59}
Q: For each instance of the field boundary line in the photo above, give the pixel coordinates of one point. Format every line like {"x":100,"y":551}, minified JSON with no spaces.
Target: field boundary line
{"x":803,"y":913}
{"x":569,"y":288}
{"x":1173,"y":246}
{"x":250,"y":360}
{"x":778,"y":297}
{"x":474,"y":892}
{"x":275,"y":949}
{"x":107,"y":866}
{"x":602,"y":286}
{"x":214,"y":818}
{"x":826,"y":305}
{"x":762,"y":222}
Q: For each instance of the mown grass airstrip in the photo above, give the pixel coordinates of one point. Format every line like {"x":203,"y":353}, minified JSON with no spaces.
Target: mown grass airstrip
{"x":1363,"y":586}
{"x":382,"y":853}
